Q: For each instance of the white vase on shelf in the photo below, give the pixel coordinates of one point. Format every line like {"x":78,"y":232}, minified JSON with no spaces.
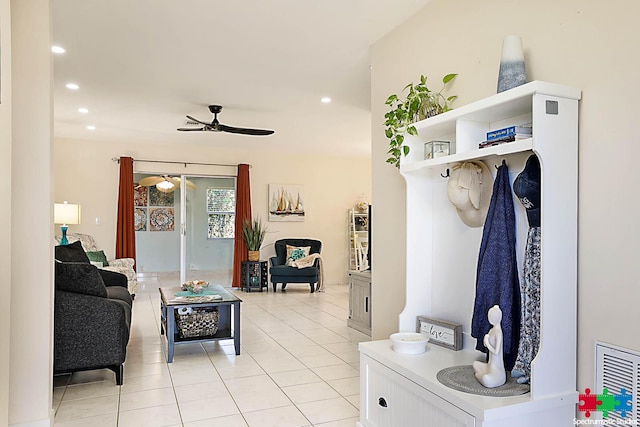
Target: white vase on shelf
{"x":512,"y":69}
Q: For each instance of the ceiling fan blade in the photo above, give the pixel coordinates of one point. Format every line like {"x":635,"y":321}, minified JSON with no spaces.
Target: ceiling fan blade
{"x":245,"y":131}
{"x":190,"y":184}
{"x":191,"y":129}
{"x":174,"y":181}
{"x":150,"y":180}
{"x":198,"y":121}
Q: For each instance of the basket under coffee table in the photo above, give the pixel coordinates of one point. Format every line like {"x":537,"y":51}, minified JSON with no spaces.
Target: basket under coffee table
{"x":226,"y":328}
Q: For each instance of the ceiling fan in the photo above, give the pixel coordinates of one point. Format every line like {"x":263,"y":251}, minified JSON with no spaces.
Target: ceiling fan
{"x":165,"y":183}
{"x":216,"y":126}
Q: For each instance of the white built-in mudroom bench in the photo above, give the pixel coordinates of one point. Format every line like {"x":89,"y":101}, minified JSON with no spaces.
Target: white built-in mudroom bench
{"x":442,"y":252}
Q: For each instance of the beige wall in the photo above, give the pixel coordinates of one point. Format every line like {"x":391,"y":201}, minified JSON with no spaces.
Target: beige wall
{"x":85,"y":174}
{"x":5,"y":208}
{"x":588,"y":45}
{"x":31,"y":344}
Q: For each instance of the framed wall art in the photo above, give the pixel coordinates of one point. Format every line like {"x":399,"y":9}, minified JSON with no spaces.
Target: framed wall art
{"x":286,"y":202}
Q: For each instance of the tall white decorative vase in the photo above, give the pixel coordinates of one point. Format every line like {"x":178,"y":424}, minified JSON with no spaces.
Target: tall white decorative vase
{"x":512,"y":70}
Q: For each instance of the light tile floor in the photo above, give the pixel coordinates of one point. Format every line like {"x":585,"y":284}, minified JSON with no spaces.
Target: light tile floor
{"x":299,"y":366}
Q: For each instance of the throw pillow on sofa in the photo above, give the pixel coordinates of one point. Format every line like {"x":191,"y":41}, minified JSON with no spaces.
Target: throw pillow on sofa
{"x":73,"y":252}
{"x":294,"y":253}
{"x":98,"y":256}
{"x":79,"y":277}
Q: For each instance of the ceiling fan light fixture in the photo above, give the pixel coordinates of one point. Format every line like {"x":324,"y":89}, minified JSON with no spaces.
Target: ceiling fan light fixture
{"x":164,"y":185}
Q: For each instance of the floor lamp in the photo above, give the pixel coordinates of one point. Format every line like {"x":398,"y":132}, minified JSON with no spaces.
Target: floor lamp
{"x":65,"y":214}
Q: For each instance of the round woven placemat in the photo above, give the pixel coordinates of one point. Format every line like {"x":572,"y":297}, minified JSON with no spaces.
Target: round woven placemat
{"x":462,"y":378}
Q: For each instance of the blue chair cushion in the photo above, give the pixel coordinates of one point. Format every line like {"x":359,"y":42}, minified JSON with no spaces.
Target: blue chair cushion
{"x":286,"y":271}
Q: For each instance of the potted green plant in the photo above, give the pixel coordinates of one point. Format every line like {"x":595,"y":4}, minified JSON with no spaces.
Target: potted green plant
{"x":420,"y":103}
{"x":253,"y":233}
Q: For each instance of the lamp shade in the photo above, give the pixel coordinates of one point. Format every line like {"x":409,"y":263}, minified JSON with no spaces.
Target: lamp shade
{"x":66,"y":213}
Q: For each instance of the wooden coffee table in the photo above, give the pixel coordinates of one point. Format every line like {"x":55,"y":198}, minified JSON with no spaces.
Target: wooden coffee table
{"x":227,"y":329}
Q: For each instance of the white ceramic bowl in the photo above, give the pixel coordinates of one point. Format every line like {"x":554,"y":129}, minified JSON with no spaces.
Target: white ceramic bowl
{"x":409,"y":342}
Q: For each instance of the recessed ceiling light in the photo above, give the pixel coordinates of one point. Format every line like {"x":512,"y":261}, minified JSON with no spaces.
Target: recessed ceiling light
{"x":58,"y":49}
{"x":91,"y":127}
{"x":326,"y":100}
{"x":83,"y":110}
{"x":72,"y":86}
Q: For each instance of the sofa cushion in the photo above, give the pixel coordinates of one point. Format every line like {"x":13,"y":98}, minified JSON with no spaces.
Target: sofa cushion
{"x":119,"y":293}
{"x":294,"y":253}
{"x":286,"y":271}
{"x":98,"y":256}
{"x":112,"y":278}
{"x":79,"y":277}
{"x":72,"y":252}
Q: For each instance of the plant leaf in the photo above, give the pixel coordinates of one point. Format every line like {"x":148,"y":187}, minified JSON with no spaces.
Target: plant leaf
{"x":452,"y":98}
{"x":446,"y":79}
{"x":406,"y":150}
{"x":411,"y":130}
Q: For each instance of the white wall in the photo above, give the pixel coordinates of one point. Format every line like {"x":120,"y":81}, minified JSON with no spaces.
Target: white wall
{"x":31,"y":344}
{"x":588,"y":45}
{"x":332,"y":185}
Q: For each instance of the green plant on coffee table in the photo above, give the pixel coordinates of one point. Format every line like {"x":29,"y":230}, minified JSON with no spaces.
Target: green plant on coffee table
{"x":420,"y":103}
{"x":253,"y":233}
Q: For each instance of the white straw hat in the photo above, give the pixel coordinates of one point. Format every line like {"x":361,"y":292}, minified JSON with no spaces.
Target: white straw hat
{"x":469,"y":190}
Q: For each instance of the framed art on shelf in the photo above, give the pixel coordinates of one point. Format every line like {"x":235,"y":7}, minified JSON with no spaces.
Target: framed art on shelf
{"x":441,"y":332}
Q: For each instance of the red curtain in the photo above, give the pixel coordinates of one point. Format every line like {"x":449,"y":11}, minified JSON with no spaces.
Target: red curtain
{"x":125,"y":229}
{"x":243,"y":211}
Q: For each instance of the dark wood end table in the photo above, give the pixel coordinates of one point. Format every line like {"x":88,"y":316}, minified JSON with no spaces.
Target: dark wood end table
{"x":227,"y":329}
{"x":253,"y":275}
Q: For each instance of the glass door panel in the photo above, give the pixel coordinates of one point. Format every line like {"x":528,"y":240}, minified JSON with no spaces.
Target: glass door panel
{"x":207,"y":228}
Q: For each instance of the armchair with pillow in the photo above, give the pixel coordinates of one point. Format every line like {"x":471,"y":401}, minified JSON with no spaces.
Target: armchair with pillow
{"x":120,"y":265}
{"x":282,"y":265}
{"x":92,"y":315}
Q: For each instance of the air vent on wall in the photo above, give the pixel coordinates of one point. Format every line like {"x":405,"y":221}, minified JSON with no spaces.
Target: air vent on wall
{"x":618,"y":368}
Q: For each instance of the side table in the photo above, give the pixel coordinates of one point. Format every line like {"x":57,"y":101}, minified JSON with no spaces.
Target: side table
{"x":254,"y":275}
{"x":228,"y":323}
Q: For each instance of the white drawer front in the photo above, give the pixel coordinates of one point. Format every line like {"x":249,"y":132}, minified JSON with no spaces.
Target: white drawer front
{"x":391,"y":400}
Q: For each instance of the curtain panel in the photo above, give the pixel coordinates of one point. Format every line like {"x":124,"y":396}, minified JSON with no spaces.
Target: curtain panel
{"x":125,"y":228}
{"x":243,"y":212}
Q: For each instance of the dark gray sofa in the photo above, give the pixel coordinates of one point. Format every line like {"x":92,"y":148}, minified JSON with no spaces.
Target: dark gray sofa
{"x":282,"y":273}
{"x":92,"y":315}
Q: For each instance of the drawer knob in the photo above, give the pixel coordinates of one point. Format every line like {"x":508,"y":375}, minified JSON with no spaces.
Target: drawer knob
{"x":382,"y":402}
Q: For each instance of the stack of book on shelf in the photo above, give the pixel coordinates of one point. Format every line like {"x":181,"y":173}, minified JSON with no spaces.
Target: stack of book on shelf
{"x":508,"y":134}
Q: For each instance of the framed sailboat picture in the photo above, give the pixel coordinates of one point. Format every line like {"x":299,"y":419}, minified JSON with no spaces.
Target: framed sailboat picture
{"x":286,"y":202}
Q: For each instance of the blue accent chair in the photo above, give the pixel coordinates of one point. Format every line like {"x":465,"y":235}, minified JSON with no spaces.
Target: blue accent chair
{"x":282,"y":273}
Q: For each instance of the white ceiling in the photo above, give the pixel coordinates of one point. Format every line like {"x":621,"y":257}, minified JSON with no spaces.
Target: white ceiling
{"x":143,"y":65}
